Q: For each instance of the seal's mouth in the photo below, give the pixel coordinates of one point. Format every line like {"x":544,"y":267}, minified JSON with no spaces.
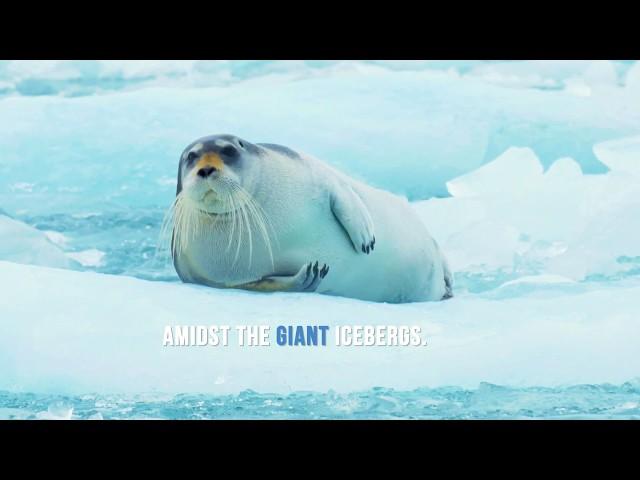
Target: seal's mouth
{"x":210,"y":196}
{"x":214,"y":203}
{"x":195,"y":212}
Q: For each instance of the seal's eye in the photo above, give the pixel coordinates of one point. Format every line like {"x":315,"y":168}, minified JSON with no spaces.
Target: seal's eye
{"x":229,"y":151}
{"x":240,"y":143}
{"x":191,"y":157}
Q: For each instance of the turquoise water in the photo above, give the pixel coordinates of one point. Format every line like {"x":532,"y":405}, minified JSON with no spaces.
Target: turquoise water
{"x":485,"y":402}
{"x":128,"y":238}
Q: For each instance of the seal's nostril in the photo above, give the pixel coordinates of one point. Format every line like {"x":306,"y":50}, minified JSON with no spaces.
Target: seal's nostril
{"x":206,"y":171}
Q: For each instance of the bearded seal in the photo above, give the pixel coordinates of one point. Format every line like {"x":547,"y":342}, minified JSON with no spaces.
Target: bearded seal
{"x":264,"y":217}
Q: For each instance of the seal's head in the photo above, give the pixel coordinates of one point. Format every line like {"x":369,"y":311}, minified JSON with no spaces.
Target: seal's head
{"x":217,"y":177}
{"x":213,"y":169}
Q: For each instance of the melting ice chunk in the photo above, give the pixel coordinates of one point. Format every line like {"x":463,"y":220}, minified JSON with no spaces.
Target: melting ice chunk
{"x":24,"y":244}
{"x":88,"y":258}
{"x":58,"y":410}
{"x":620,"y":155}
{"x":514,"y":170}
{"x":510,"y":215}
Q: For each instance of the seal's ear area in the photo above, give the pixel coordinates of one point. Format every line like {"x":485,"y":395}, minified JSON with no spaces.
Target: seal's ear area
{"x":229,"y":151}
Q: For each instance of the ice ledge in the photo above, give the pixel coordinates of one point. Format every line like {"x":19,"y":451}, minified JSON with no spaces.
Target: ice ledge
{"x":73,"y":332}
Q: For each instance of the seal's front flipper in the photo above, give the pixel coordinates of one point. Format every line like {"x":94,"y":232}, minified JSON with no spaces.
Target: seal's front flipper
{"x":354,"y":216}
{"x":306,"y":280}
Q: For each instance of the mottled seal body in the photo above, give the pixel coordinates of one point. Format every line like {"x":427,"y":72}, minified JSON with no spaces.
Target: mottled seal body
{"x":264,"y":217}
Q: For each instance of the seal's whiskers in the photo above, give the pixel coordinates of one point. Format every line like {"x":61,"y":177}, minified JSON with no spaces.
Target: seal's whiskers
{"x":184,"y":221}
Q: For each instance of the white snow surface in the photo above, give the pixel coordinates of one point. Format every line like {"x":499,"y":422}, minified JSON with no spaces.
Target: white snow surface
{"x":73,"y":332}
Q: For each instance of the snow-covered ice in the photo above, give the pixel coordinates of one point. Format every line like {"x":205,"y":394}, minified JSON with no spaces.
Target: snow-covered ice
{"x":75,"y":332}
{"x":512,"y":216}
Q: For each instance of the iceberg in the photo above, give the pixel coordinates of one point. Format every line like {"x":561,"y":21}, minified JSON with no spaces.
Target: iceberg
{"x":512,"y":216}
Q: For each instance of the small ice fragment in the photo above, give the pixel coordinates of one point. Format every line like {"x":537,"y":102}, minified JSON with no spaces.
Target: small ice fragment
{"x":88,"y":258}
{"x":515,"y":170}
{"x":56,"y":238}
{"x":59,"y":410}
{"x":622,"y":155}
{"x":22,"y":187}
{"x":538,"y":280}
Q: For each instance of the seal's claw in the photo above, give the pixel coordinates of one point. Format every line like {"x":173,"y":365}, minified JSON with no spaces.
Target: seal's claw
{"x":367,"y":246}
{"x":353,"y":214}
{"x":324,"y":271}
{"x":314,"y":277}
{"x":306,"y":280}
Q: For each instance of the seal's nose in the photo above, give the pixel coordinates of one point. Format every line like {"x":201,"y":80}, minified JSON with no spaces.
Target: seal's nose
{"x":206,"y":171}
